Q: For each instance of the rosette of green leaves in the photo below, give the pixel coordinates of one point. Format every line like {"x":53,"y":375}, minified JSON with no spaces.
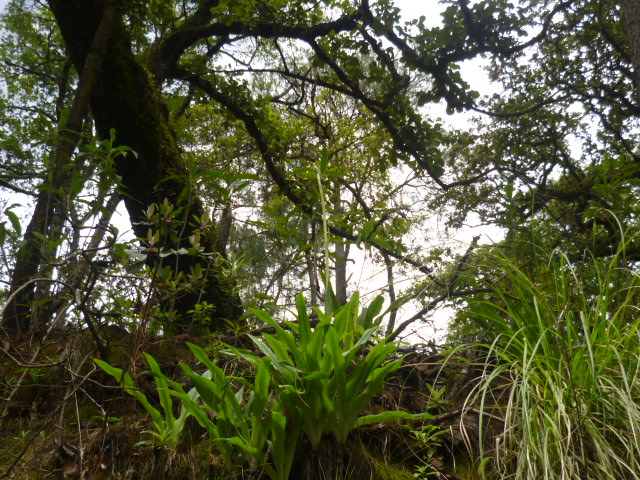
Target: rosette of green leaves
{"x":325,"y":375}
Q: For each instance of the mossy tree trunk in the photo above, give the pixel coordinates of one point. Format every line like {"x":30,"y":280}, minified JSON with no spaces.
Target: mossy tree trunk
{"x":631,"y":17}
{"x":125,"y":99}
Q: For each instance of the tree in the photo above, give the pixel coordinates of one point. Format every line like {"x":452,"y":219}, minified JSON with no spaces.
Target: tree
{"x":157,"y":171}
{"x":262,"y":69}
{"x":563,"y":135}
{"x":229,"y":127}
{"x":154,"y":173}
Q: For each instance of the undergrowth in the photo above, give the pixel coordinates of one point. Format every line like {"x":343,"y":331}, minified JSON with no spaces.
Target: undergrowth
{"x":571,"y":353}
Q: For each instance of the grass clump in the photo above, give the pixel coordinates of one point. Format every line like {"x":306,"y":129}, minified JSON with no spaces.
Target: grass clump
{"x":569,"y":347}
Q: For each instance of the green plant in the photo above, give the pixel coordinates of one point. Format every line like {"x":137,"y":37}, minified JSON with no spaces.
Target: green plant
{"x":168,"y":428}
{"x":15,"y":224}
{"x":324,"y":376}
{"x":247,"y":423}
{"x":317,"y":380}
{"x":201,"y":312}
{"x":427,"y":442}
{"x":314,"y":380}
{"x":572,"y":355}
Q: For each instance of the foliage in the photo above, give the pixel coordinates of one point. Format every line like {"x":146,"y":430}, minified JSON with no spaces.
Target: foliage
{"x":558,"y":134}
{"x":230,"y":105}
{"x":317,"y":380}
{"x":13,"y":219}
{"x":570,"y":358}
{"x":168,"y":429}
{"x":323,"y":375}
{"x":256,"y":101}
{"x":427,"y":439}
{"x":248,"y":425}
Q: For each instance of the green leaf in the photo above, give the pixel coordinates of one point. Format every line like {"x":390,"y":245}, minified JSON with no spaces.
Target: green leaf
{"x":163,"y":390}
{"x":303,"y":319}
{"x":264,"y":348}
{"x":390,"y":416}
{"x":324,"y":162}
{"x":208,"y":390}
{"x":331,"y":302}
{"x":368,"y":315}
{"x":126,"y":381}
{"x":15,"y":221}
{"x":201,"y":355}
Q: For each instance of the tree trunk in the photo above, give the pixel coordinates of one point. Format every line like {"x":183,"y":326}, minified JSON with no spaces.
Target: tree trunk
{"x":125,"y":99}
{"x":341,"y":251}
{"x":342,"y":255}
{"x":312,"y":266}
{"x":391,"y":324}
{"x":631,"y":18}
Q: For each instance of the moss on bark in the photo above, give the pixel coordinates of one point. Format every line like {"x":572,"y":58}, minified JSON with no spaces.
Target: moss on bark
{"x":126,"y":99}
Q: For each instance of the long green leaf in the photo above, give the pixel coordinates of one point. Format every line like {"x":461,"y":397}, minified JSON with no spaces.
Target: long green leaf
{"x":390,"y":416}
{"x":303,"y":319}
{"x":127,"y":382}
{"x":163,"y":390}
{"x":201,"y":355}
{"x":367,"y":318}
{"x":209,"y":391}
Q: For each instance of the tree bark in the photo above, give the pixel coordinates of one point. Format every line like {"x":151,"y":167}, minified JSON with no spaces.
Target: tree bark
{"x":342,"y":255}
{"x":391,"y":324}
{"x":125,"y":99}
{"x":631,"y":18}
{"x":341,"y":252}
{"x":312,"y":265}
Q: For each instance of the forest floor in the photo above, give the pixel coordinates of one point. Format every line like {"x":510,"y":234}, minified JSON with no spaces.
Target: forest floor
{"x":62,"y":417}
